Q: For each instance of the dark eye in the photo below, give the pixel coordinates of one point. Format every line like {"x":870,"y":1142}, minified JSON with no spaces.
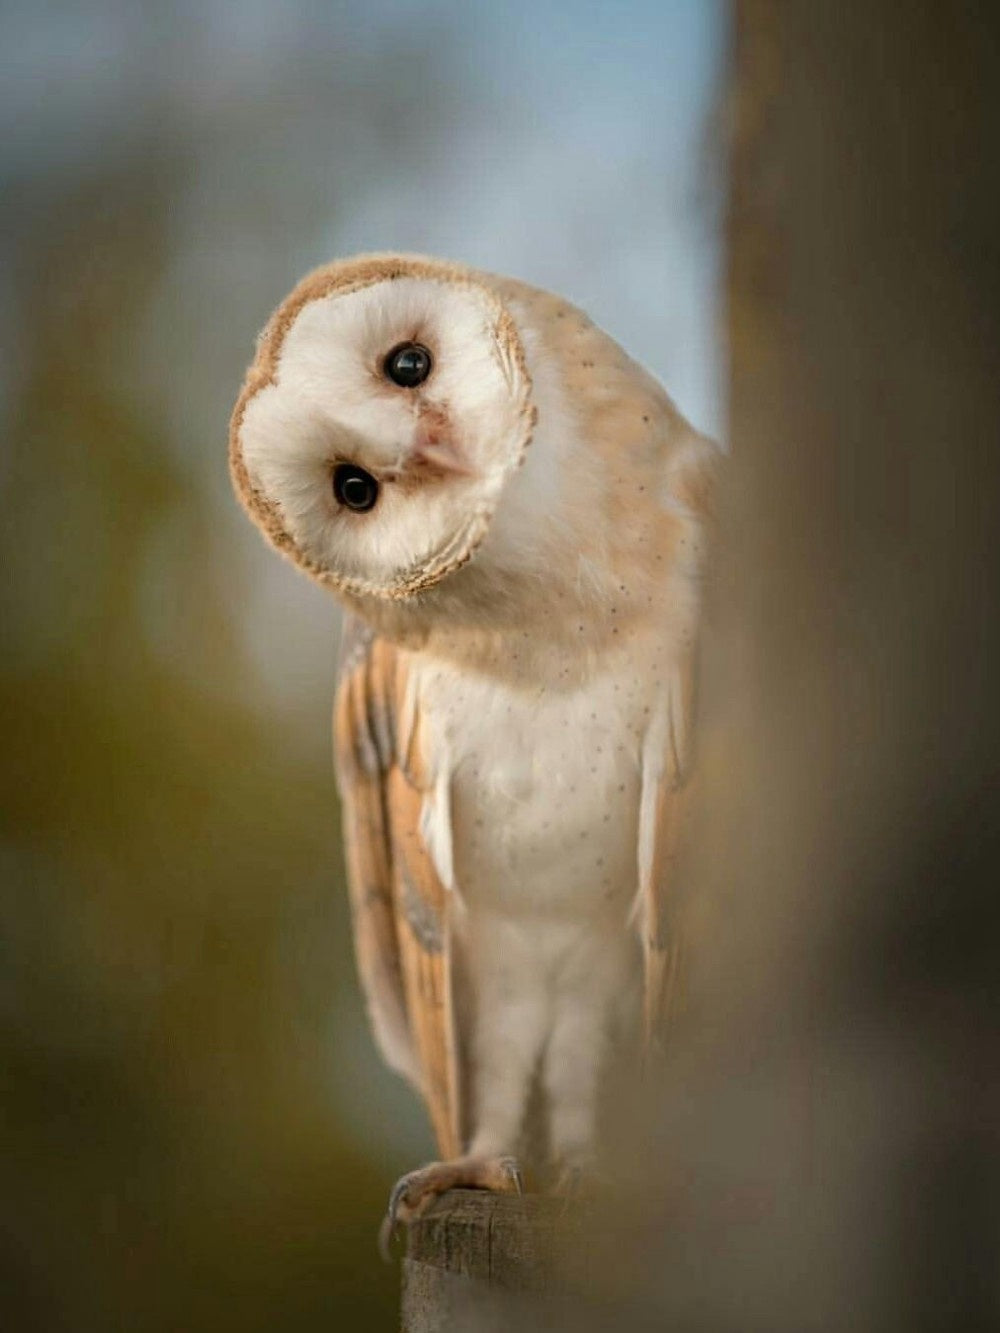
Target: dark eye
{"x":408,"y":365}
{"x":354,"y":488}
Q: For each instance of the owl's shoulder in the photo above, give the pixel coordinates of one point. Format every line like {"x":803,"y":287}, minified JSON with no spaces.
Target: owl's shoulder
{"x":627,"y":411}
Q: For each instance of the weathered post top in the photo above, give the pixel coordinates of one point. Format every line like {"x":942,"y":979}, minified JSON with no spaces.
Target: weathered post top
{"x":477,"y":1260}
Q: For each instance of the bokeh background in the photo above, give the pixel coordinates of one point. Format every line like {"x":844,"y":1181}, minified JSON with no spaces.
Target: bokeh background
{"x":196,"y":1130}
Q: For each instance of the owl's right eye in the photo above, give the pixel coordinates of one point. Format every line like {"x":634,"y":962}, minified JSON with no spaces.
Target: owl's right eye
{"x":408,"y":365}
{"x":354,"y":488}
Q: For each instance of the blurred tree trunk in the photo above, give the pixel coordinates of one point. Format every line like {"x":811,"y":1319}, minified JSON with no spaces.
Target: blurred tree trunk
{"x":833,"y":1114}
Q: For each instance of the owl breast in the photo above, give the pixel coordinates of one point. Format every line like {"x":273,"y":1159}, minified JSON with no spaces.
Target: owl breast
{"x":539,"y":792}
{"x":543,"y":788}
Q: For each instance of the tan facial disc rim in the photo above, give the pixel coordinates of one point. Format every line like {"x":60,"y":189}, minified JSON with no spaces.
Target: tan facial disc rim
{"x":350,"y":276}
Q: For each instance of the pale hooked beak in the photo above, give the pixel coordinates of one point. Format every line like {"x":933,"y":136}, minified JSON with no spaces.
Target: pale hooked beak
{"x":435,"y":449}
{"x":441,"y":456}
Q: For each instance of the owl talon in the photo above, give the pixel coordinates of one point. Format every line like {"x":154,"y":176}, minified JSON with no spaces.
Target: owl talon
{"x":570,"y":1182}
{"x":414,"y":1192}
{"x":398,"y":1194}
{"x":386,"y":1235}
{"x":398,"y":1213}
{"x":579,"y":1179}
{"x":512,"y":1171}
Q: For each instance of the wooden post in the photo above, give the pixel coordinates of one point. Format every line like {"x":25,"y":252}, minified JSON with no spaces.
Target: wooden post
{"x":479,"y":1261}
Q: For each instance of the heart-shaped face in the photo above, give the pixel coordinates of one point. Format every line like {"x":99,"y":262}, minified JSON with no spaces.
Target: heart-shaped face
{"x":386,"y":409}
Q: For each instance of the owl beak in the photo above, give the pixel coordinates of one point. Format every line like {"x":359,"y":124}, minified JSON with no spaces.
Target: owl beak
{"x":434,"y":454}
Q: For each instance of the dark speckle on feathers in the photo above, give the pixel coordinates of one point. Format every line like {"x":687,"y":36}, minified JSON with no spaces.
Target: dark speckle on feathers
{"x":423,"y":919}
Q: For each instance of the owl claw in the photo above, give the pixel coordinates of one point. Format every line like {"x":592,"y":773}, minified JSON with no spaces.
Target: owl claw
{"x":389,"y":1229}
{"x":512,"y":1171}
{"x":387,"y":1233}
{"x":578,"y":1182}
{"x":399,"y":1212}
{"x":397,"y":1195}
{"x":415,"y":1191}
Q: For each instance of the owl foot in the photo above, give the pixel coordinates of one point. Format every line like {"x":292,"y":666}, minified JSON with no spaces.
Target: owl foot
{"x":414,"y":1192}
{"x":577,"y":1182}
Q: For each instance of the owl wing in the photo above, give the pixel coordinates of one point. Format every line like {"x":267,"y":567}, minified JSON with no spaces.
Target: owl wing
{"x":399,"y":905}
{"x":668,"y":780}
{"x":664,"y":811}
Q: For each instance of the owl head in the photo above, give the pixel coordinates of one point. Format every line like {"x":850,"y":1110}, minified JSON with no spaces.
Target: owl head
{"x":386,"y":409}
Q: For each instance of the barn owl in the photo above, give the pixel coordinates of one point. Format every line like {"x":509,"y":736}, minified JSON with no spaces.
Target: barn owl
{"x":514,"y":515}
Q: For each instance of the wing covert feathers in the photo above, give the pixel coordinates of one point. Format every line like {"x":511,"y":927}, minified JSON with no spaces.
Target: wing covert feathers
{"x":668,"y":786}
{"x":666,"y":802}
{"x":399,"y":905}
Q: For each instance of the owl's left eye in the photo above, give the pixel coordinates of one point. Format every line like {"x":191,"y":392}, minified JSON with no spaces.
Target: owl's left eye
{"x":408,"y":365}
{"x":354,"y":488}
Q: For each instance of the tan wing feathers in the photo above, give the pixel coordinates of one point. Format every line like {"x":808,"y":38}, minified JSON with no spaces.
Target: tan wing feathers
{"x":399,"y":905}
{"x":669,"y":801}
{"x":423,"y":933}
{"x":360,"y":769}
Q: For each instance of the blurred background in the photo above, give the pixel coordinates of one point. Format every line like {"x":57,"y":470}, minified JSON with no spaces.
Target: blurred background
{"x":197,"y":1132}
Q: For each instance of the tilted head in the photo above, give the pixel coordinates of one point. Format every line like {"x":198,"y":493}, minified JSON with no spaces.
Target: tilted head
{"x":386,"y":408}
